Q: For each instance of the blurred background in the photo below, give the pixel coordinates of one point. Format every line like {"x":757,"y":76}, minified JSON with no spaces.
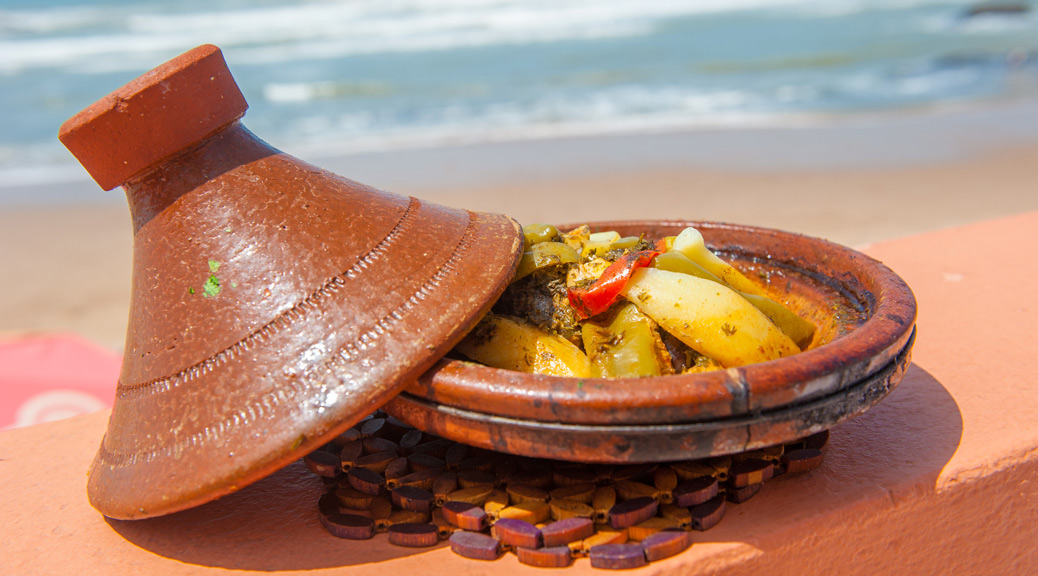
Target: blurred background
{"x":358,"y":77}
{"x":859,"y":121}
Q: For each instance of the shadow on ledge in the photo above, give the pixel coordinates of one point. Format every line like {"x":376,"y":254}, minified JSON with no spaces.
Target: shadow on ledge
{"x":903,"y":443}
{"x":270,"y":525}
{"x":891,"y":455}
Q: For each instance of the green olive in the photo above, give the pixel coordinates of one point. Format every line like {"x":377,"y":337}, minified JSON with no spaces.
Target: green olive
{"x":542,"y":255}
{"x":537,"y":233}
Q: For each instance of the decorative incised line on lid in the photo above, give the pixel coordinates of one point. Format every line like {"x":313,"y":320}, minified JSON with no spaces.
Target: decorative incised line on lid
{"x":284,"y":320}
{"x":298,"y":389}
{"x":366,"y":340}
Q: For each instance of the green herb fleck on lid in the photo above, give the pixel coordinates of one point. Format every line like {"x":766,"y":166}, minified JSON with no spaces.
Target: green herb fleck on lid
{"x":211,"y":286}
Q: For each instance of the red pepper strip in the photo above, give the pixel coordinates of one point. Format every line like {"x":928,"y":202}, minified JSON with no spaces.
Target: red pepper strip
{"x":598,"y":297}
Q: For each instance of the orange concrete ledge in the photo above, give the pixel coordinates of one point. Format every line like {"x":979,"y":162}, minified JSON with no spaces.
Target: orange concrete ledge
{"x":939,"y":478}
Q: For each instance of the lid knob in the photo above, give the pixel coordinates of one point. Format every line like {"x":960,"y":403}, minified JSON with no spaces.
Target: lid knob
{"x":165,"y":110}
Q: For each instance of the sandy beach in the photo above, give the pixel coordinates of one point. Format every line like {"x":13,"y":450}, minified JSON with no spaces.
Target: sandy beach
{"x":67,"y":264}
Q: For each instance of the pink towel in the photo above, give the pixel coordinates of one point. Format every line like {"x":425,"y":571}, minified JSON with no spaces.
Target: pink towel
{"x":45,"y":377}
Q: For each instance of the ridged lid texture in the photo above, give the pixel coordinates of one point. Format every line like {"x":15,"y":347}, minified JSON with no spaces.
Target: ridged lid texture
{"x":274,"y":304}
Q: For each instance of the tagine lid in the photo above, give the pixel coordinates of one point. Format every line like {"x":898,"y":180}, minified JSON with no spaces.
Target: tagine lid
{"x":274,"y":304}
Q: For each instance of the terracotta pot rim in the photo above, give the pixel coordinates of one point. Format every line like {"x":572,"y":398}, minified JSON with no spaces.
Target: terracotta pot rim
{"x":653,"y":442}
{"x":816,"y":372}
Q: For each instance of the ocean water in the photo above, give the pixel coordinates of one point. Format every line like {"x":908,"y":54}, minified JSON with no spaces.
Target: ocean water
{"x":356,"y":76}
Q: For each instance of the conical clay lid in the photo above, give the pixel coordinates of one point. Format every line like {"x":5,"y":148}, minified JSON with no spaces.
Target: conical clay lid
{"x":274,"y":304}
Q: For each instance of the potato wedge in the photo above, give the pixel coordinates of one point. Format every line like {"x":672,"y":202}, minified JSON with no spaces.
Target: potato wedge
{"x":599,"y":243}
{"x":799,"y":330}
{"x":586,"y":271}
{"x":514,"y":344}
{"x":708,"y":317}
{"x":577,"y":237}
{"x":690,"y":243}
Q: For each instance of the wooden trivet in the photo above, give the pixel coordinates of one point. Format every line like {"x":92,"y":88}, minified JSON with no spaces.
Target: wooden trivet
{"x":382,"y":475}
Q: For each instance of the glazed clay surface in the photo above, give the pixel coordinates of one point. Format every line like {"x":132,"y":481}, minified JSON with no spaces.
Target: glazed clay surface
{"x":274,"y":303}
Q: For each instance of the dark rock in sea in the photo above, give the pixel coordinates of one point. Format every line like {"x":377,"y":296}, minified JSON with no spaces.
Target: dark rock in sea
{"x":997,"y":8}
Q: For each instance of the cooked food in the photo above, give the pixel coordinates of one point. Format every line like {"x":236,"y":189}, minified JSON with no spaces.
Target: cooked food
{"x":601,"y":305}
{"x":710,"y":318}
{"x":515,"y":344}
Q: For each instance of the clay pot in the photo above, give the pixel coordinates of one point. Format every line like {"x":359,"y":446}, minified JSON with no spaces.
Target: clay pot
{"x":865,"y":324}
{"x":274,"y":304}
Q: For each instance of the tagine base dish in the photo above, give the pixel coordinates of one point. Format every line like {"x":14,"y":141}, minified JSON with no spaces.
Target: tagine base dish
{"x":634,"y":444}
{"x":865,"y":326}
